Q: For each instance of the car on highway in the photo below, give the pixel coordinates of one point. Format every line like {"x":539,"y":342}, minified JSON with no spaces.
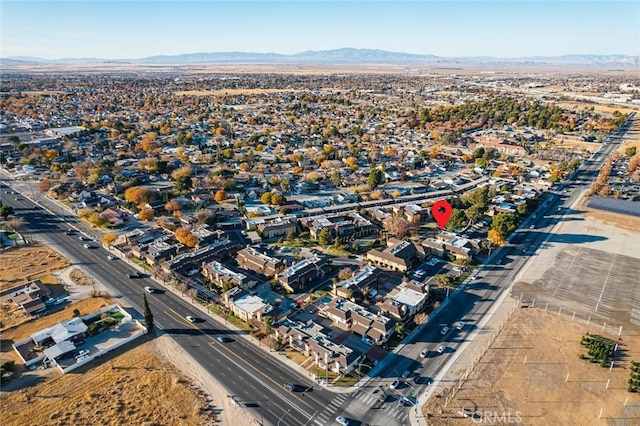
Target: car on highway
{"x":149,"y":290}
{"x":289,"y":387}
{"x":459,"y":325}
{"x":444,"y":330}
{"x":424,"y":353}
{"x":441,"y":349}
{"x":395,"y":384}
{"x":190,"y":318}
{"x":110,"y":257}
{"x":343,"y":421}
{"x":69,"y":231}
{"x":223,"y":339}
{"x":134,"y":275}
{"x":87,"y":246}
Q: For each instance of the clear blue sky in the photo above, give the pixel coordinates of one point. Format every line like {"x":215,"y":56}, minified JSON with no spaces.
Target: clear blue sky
{"x":135,"y":29}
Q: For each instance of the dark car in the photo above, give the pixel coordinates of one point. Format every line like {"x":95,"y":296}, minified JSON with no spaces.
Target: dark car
{"x":134,"y":275}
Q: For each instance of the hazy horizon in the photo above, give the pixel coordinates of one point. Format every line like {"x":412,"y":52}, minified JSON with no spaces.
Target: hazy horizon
{"x":139,"y":29}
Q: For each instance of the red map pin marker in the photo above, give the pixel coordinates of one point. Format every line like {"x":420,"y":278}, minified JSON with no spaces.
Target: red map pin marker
{"x":441,"y":211}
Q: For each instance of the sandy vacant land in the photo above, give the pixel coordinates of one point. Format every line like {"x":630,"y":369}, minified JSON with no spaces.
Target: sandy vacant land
{"x":138,"y":387}
{"x":26,"y":263}
{"x":525,"y":372}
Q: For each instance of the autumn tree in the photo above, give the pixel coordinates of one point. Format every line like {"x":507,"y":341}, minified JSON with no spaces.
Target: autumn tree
{"x":109,"y":238}
{"x":495,"y":238}
{"x":146,"y":214}
{"x":173,"y":205}
{"x":398,"y":225}
{"x":44,"y":185}
{"x":345,"y":274}
{"x":220,"y":196}
{"x":266,"y":198}
{"x":139,"y":195}
{"x":186,"y":237}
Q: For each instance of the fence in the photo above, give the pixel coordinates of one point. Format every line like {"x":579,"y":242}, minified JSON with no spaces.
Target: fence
{"x":485,"y":348}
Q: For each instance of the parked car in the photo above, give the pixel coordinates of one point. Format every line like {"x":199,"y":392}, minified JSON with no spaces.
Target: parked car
{"x":459,"y":325}
{"x":395,"y":384}
{"x":441,"y":349}
{"x":367,"y":340}
{"x":444,"y":330}
{"x":406,"y":374}
{"x":424,"y":353}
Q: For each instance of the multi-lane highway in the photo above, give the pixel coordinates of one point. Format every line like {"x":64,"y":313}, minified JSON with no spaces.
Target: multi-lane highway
{"x":255,"y":378}
{"x":247,"y":372}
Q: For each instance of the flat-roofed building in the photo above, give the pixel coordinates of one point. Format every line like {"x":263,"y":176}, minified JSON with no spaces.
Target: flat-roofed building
{"x":299,"y":275}
{"x":259,"y":262}
{"x":367,"y":277}
{"x":220,"y":275}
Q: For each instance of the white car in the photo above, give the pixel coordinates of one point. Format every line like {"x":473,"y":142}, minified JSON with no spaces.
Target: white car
{"x":441,"y":349}
{"x":190,"y":318}
{"x":532,"y":226}
{"x":110,"y":257}
{"x":87,"y":246}
{"x":395,"y":384}
{"x":151,"y":290}
{"x":459,"y":325}
{"x":342,"y":421}
{"x":424,"y":353}
{"x":457,"y":269}
{"x":444,"y":330}
{"x":367,"y":340}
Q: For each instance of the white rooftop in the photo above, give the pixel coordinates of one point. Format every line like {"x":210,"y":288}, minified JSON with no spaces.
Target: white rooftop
{"x":249,"y":304}
{"x":409,"y":297}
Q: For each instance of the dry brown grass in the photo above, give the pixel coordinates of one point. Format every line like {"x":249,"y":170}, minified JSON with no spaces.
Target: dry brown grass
{"x":608,"y":109}
{"x":572,"y":145}
{"x":137,"y":388}
{"x":80,"y":278}
{"x":27,"y":263}
{"x":538,"y":389}
{"x":15,"y":332}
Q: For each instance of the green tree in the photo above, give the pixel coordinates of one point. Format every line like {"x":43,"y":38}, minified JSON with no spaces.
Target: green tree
{"x":399,"y":329}
{"x":183,"y":183}
{"x":504,"y":223}
{"x":375,"y":178}
{"x":6,"y":211}
{"x":474,"y":213}
{"x":444,"y":280}
{"x":630,"y":151}
{"x":325,"y":238}
{"x":148,"y":316}
{"x":457,"y":220}
{"x":336,"y":179}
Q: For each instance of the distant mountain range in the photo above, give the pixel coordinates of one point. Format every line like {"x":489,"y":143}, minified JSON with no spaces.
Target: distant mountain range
{"x":341,"y":56}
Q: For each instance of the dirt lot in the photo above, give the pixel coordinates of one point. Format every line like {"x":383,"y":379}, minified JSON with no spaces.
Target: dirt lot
{"x":137,"y":387}
{"x":27,"y":263}
{"x":532,"y":372}
{"x":80,"y":278}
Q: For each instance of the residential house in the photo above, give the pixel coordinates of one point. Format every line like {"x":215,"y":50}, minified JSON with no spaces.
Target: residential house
{"x":219,"y":250}
{"x":222,"y":276}
{"x":367,"y":277}
{"x":259,"y":262}
{"x":405,"y":301}
{"x":277,"y":229}
{"x":399,"y":256}
{"x":297,"y":276}
{"x":29,"y":296}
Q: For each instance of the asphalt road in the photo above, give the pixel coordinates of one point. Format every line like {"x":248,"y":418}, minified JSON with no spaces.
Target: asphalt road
{"x":251,"y":375}
{"x":471,"y":303}
{"x":255,"y":379}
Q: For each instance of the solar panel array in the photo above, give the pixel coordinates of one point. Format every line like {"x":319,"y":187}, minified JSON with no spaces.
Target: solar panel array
{"x":631,"y":208}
